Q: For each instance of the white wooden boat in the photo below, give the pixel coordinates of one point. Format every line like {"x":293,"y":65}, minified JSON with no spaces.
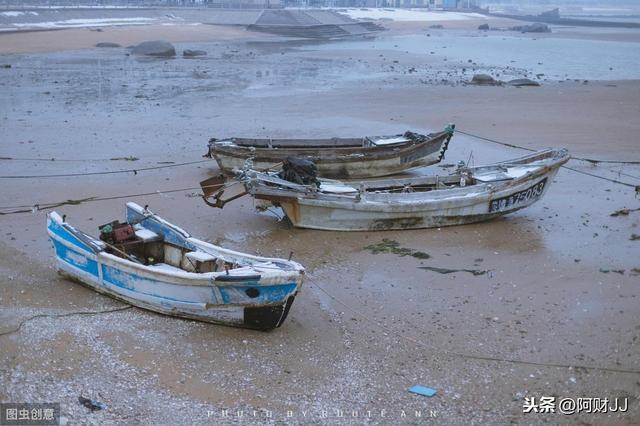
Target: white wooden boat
{"x":471,"y":194}
{"x":343,"y":158}
{"x":163,"y":269}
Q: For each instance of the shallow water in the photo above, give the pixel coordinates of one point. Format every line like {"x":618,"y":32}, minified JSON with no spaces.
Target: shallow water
{"x":557,"y":58}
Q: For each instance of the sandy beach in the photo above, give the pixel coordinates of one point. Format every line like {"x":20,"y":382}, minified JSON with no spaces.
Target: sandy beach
{"x":555,"y":312}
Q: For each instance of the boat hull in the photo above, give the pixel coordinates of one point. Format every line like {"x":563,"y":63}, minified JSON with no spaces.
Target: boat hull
{"x":262,"y":318}
{"x":383,"y":210}
{"x":257,"y":302}
{"x":351,"y":163}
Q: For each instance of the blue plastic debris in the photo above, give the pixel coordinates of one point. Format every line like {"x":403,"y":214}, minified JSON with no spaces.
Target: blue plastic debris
{"x":423,"y":390}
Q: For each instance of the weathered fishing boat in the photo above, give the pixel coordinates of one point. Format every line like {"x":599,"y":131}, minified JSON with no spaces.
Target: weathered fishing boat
{"x":344,"y":158}
{"x":471,"y":194}
{"x":152,"y":264}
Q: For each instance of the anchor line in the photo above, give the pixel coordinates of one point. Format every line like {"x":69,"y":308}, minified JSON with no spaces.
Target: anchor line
{"x":590,"y":160}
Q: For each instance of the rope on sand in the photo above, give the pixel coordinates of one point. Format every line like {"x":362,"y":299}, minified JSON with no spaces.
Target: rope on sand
{"x":510,"y":145}
{"x":45,"y":206}
{"x":68,"y":314}
{"x":590,"y":160}
{"x":33,"y":208}
{"x":92,"y":160}
{"x":110,"y":172}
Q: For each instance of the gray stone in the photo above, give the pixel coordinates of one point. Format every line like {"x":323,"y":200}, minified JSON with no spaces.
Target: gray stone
{"x":155,"y":48}
{"x":532,"y":28}
{"x":188,"y":53}
{"x":484,"y":80}
{"x":483,"y":27}
{"x":522,"y":82}
{"x":107,"y":44}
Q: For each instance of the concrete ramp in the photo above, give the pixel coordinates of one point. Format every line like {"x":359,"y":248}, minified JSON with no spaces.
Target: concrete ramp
{"x":296,"y":23}
{"x":317,"y":24}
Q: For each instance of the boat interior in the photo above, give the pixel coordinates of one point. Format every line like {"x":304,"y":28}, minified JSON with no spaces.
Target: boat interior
{"x":463,"y":178}
{"x":364,"y":142}
{"x":150,"y":249}
{"x":470,"y":177}
{"x":408,"y":185}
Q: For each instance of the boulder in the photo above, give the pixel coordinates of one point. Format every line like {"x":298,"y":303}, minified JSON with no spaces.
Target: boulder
{"x":518,"y":82}
{"x":436,"y":26}
{"x":553,"y":14}
{"x":188,"y":53}
{"x":107,"y":44}
{"x":484,"y":80}
{"x":532,"y":28}
{"x":483,"y":27}
{"x":154,"y":48}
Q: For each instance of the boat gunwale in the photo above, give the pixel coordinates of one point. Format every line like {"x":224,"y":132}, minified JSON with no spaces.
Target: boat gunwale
{"x":107,"y":290}
{"x":331,"y":155}
{"x":182,"y":277}
{"x":204,"y":245}
{"x":316,"y":143}
{"x":349,"y":201}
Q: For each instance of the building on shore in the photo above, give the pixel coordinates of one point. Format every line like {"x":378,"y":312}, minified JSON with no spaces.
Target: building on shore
{"x":429,"y":4}
{"x":251,"y":4}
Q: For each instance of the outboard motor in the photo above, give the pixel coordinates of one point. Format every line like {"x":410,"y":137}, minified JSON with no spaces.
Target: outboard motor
{"x":116,"y":232}
{"x":300,"y":171}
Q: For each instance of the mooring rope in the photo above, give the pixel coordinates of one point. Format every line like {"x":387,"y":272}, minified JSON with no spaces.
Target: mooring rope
{"x":630,"y":185}
{"x":32,"y":208}
{"x":590,"y":160}
{"x":45,"y":206}
{"x":510,"y":145}
{"x":106,"y":172}
{"x":4,"y":157}
{"x":68,"y":314}
{"x":68,"y":160}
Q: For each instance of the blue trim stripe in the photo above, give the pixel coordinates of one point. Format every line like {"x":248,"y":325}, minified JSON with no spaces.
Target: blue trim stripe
{"x":128,"y":281}
{"x":64,"y":234}
{"x":75,"y":258}
{"x":230,"y":294}
{"x":267,"y":294}
{"x":169,"y":234}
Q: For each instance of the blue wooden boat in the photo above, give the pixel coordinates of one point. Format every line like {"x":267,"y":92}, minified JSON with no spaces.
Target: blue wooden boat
{"x":163,"y":269}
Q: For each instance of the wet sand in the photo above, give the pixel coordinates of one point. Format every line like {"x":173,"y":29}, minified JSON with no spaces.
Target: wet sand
{"x":366,"y":326}
{"x":85,"y":38}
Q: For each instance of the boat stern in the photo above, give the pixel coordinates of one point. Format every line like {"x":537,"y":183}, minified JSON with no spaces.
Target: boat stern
{"x":266,"y":318}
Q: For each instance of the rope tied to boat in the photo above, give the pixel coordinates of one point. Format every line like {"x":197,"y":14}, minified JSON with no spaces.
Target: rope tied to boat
{"x":106,"y":172}
{"x":590,"y":160}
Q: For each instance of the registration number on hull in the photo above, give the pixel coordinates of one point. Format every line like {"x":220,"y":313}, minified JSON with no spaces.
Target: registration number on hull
{"x":521,"y":197}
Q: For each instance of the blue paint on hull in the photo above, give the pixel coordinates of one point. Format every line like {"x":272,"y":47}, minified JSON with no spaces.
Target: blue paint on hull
{"x":196,"y":296}
{"x":231,"y":295}
{"x":64,"y":234}
{"x":170,"y":235}
{"x":76,"y":259}
{"x":266,"y":294}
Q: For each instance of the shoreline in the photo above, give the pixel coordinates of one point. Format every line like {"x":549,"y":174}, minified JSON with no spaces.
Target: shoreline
{"x":39,"y":40}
